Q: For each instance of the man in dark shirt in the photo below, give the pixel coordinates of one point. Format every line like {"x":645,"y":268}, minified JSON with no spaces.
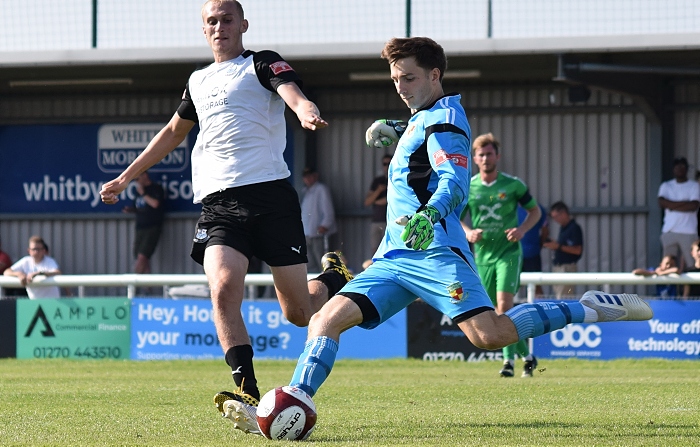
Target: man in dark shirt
{"x":149,"y":209}
{"x":568,"y":247}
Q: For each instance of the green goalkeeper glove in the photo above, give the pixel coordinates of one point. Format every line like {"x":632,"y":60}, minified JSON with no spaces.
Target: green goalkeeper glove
{"x":384,"y":133}
{"x":419,"y":232}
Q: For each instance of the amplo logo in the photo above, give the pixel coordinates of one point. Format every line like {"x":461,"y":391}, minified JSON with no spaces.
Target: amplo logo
{"x":576,"y":335}
{"x":40,"y":315}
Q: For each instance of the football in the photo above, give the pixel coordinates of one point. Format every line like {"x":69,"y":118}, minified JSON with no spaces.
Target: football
{"x":286,"y":413}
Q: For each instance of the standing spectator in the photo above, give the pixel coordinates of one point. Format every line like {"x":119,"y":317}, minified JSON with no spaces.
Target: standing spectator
{"x":496,"y":234}
{"x":680,"y":199}
{"x":37,"y":263}
{"x":567,"y":249}
{"x":149,"y":208}
{"x":5,"y":260}
{"x":532,"y":243}
{"x":318,"y":217}
{"x":376,"y":198}
{"x":249,"y":208}
{"x":667,"y":266}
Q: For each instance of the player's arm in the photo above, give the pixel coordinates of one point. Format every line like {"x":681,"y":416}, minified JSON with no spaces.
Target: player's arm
{"x":533,"y":216}
{"x":307,"y":112}
{"x":161,"y":145}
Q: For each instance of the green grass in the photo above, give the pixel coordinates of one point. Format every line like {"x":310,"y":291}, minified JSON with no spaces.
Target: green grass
{"x":369,"y":403}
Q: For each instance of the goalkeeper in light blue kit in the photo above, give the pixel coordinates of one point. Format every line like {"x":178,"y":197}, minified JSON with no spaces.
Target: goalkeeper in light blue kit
{"x":425,"y":252}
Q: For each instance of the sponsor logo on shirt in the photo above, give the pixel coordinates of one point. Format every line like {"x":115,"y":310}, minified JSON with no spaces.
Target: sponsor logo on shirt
{"x":280,"y":67}
{"x":441,"y":156}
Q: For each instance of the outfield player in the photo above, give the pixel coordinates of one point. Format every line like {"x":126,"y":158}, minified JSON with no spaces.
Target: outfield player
{"x":494,"y":197}
{"x":239,"y":175}
{"x":426,"y":253}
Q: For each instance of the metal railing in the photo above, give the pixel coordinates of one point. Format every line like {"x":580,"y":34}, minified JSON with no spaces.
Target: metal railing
{"x":530,"y":279}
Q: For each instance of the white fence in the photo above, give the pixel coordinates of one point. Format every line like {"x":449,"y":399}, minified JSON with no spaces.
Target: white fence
{"x":604,"y":281}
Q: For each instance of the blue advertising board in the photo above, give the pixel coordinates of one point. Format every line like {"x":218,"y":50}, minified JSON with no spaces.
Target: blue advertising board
{"x":184,"y":329}
{"x":673,"y":333}
{"x":60,"y":168}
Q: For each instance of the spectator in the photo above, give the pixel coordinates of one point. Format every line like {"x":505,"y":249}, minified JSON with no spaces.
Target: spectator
{"x":494,"y":197}
{"x":567,"y":249}
{"x":37,"y":263}
{"x":318,"y":217}
{"x":680,"y":199}
{"x":693,"y":289}
{"x":532,"y":243}
{"x":376,"y":198}
{"x":667,"y":266}
{"x":149,"y":208}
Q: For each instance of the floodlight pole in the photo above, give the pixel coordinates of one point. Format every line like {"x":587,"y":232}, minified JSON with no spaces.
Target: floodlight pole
{"x":94,"y":23}
{"x":408,"y":18}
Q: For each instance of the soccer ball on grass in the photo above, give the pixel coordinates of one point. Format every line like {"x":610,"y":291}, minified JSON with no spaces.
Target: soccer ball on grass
{"x":286,"y":413}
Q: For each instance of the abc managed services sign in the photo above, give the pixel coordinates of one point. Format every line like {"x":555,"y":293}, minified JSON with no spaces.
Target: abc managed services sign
{"x":184,"y":329}
{"x":86,"y":328}
{"x":673,"y":333}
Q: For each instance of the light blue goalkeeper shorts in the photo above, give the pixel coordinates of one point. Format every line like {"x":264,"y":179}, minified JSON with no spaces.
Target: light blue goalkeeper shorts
{"x":445,"y":280}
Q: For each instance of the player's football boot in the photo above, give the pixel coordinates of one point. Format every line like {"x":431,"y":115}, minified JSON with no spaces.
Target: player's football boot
{"x":242,"y":415}
{"x":529,"y":367}
{"x":617,"y":306}
{"x":332,"y":261}
{"x":237,"y":395}
{"x":507,"y":370}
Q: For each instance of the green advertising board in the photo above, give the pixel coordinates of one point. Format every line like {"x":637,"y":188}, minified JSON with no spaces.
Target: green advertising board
{"x":85,"y":328}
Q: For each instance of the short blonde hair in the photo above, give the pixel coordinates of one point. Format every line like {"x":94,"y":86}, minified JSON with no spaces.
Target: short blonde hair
{"x":236,"y":3}
{"x":485,"y":140}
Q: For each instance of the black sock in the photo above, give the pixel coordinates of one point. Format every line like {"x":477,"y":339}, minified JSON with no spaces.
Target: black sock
{"x":333,"y":281}
{"x":240,"y":359}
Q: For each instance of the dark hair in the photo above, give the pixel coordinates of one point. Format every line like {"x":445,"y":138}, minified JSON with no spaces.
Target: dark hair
{"x":680,"y":161}
{"x":428,"y":53}
{"x":559,"y":206}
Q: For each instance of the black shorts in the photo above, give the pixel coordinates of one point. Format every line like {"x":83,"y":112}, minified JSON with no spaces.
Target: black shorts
{"x":261,"y":220}
{"x":533,"y":264}
{"x":146,"y":240}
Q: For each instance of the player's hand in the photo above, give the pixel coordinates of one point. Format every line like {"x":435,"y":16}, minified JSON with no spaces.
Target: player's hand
{"x":419,"y":231}
{"x":312,"y":121}
{"x":109,"y":193}
{"x":513,"y":234}
{"x":475,"y":235}
{"x":384,"y":133}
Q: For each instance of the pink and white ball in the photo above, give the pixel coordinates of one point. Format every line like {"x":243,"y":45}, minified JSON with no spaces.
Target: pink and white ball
{"x":286,"y":413}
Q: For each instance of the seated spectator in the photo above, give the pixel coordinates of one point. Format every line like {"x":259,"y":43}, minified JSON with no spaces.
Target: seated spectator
{"x":667,"y":266}
{"x":693,"y":289}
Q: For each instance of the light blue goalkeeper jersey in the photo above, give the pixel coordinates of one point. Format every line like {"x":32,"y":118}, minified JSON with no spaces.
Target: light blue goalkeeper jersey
{"x":431,"y":166}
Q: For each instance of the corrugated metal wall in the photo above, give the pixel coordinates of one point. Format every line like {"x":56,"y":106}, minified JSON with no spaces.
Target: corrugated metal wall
{"x":592,"y":156}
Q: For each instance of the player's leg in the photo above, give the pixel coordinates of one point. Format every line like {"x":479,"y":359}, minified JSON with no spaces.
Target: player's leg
{"x":508,"y":270}
{"x":488,"y":330}
{"x":351,"y":307}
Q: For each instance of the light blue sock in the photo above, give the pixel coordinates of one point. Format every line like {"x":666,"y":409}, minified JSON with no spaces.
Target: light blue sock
{"x":315,"y":364}
{"x":533,"y":320}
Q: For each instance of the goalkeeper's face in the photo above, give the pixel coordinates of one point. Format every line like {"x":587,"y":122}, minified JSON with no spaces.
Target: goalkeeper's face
{"x":417,"y":86}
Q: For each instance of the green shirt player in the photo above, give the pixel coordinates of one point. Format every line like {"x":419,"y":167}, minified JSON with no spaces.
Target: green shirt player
{"x":493,"y":200}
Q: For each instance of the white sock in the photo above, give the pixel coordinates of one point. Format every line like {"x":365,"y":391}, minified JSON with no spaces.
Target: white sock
{"x":591,"y":315}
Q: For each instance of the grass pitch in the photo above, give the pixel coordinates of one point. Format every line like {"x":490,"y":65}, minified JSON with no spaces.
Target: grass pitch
{"x":368,"y":403}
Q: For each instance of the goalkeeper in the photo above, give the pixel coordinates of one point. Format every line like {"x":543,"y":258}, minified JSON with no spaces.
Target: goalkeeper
{"x":425,"y":252}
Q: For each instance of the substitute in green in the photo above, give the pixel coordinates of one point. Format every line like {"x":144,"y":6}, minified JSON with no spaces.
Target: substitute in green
{"x":493,"y":201}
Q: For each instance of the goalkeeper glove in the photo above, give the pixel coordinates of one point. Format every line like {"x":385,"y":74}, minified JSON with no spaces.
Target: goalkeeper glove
{"x":419,"y":232}
{"x":384,"y":133}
